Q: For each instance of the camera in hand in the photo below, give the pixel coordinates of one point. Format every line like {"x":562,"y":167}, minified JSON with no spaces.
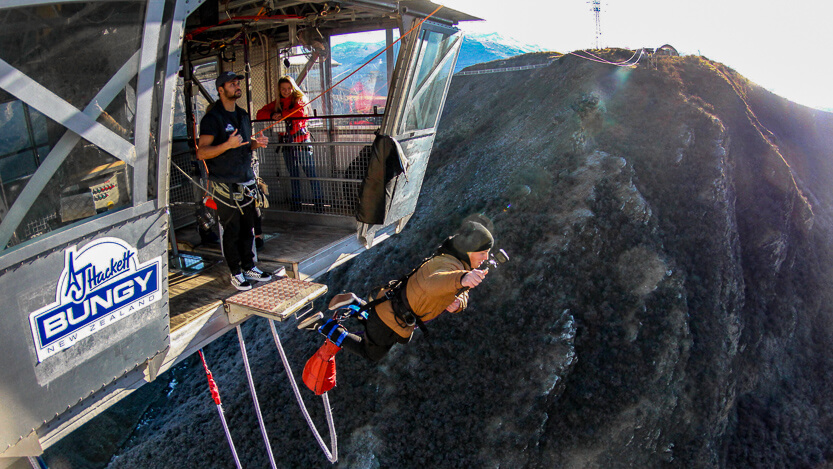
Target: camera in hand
{"x":495,"y":259}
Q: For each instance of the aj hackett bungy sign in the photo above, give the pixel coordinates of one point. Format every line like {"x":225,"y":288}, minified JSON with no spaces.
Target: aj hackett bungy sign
{"x":101,"y":284}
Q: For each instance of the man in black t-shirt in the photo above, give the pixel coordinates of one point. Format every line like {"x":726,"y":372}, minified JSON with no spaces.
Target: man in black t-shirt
{"x":226,"y":144}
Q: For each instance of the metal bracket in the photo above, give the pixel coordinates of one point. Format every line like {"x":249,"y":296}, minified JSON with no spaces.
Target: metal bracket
{"x":235,"y":315}
{"x":400,"y":224}
{"x":25,"y":446}
{"x":301,"y":314}
{"x":152,"y":366}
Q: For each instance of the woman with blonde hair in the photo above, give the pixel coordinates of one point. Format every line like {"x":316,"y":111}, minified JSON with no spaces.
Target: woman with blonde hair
{"x":292,"y":105}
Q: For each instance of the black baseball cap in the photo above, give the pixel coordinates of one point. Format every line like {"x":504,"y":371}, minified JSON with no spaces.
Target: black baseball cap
{"x":226,"y":77}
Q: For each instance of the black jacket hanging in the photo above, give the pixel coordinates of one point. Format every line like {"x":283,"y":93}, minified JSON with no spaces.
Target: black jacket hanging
{"x":387,"y":162}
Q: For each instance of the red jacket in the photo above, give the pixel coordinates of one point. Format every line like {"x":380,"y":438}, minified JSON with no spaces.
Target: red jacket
{"x":297,"y":127}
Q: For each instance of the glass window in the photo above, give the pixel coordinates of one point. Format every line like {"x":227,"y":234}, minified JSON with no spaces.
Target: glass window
{"x":206,"y":74}
{"x":14,"y":135}
{"x":73,"y":49}
{"x":23,"y":140}
{"x":180,"y":125}
{"x":18,"y":165}
{"x":434,"y":66}
{"x":368,"y":87}
{"x":313,"y":83}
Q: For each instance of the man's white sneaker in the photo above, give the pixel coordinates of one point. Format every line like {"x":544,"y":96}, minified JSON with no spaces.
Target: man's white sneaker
{"x":256,"y":275}
{"x":239,"y":282}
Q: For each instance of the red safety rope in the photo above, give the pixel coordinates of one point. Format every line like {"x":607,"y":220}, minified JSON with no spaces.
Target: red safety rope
{"x":212,"y":385}
{"x":416,"y":26}
{"x":215,"y":394}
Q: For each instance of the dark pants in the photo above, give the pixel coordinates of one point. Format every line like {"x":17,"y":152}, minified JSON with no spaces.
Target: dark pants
{"x":297,"y":157}
{"x":377,"y":339}
{"x":237,"y":231}
{"x":258,"y":223}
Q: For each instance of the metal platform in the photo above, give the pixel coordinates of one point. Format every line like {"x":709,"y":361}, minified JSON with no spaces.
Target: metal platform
{"x":275,"y":300}
{"x":308,"y":245}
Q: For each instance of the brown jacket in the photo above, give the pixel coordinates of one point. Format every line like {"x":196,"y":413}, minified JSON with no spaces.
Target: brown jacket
{"x":429,"y":291}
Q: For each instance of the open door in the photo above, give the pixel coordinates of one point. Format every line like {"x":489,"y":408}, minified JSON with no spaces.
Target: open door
{"x":426,"y":63}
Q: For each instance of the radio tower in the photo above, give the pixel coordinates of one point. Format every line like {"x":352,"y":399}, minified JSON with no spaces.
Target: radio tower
{"x":597,"y":10}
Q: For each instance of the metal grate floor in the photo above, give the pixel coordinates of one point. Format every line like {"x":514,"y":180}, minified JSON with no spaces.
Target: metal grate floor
{"x":275,"y":300}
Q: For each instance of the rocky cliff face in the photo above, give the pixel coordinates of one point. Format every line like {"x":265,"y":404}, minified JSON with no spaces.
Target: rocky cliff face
{"x":668,"y":302}
{"x":680,"y":214}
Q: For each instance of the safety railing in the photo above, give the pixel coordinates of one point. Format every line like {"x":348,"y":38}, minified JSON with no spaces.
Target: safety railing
{"x":185,"y":198}
{"x":323,"y":175}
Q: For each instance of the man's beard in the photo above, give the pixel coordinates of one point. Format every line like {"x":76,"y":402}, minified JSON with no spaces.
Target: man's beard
{"x":235,"y":95}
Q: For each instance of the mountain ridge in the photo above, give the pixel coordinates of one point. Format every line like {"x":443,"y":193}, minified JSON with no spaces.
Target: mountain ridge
{"x":476,"y":48}
{"x":667,"y":303}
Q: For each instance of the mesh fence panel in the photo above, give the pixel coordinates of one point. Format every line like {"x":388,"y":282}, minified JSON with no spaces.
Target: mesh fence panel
{"x":323,"y":176}
{"x":184,"y":196}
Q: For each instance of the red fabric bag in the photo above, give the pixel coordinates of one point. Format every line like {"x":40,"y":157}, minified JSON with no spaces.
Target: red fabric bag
{"x":320,"y":370}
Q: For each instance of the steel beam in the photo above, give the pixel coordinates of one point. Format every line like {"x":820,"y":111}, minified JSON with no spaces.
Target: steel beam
{"x":51,"y":105}
{"x":182,"y":9}
{"x":30,"y":3}
{"x":144,"y":98}
{"x":61,"y":150}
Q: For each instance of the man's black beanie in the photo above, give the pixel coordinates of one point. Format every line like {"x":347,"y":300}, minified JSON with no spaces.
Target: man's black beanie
{"x":472,"y":237}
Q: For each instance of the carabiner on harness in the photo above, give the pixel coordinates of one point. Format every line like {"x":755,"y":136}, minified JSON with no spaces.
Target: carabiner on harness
{"x":350,"y":311}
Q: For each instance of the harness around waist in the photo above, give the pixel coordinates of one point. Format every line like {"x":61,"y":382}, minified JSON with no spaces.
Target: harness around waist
{"x":401,"y":309}
{"x":236,"y":191}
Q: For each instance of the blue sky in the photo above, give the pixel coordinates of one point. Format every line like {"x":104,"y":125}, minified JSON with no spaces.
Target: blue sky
{"x":779,"y":45}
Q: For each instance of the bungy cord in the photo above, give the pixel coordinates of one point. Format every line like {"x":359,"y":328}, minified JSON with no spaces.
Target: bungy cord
{"x":254,"y":396}
{"x":332,"y":456}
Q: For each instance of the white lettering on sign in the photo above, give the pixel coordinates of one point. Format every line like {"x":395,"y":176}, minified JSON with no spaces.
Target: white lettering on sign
{"x":100,"y":284}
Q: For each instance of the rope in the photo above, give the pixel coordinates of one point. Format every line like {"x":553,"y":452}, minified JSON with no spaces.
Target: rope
{"x":257,"y":18}
{"x":331,"y":456}
{"x":416,"y":26}
{"x":216,"y":199}
{"x":595,"y":58}
{"x":626,"y":62}
{"x":215,"y":394}
{"x":254,"y":396}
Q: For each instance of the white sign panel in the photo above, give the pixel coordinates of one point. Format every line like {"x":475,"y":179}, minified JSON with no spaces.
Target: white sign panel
{"x":101,"y":284}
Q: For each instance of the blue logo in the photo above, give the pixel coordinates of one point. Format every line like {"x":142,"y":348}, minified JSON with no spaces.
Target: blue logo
{"x":101,"y":284}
